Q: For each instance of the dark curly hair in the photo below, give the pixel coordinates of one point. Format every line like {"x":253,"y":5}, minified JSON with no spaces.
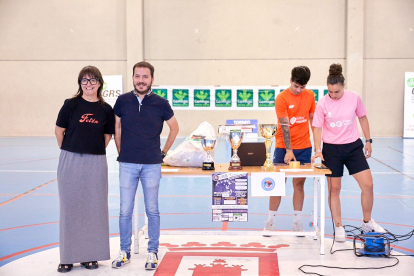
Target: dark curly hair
{"x":300,"y":75}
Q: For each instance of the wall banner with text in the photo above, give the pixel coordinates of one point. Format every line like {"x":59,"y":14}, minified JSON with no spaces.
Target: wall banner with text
{"x":112,"y":88}
{"x":409,"y":105}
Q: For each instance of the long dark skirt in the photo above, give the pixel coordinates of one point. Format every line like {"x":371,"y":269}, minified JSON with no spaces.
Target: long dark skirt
{"x":83,"y":196}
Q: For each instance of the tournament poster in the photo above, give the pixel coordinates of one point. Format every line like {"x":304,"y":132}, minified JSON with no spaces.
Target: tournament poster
{"x":229,"y":196}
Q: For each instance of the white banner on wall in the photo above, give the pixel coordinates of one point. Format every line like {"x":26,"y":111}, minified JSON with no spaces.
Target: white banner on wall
{"x":112,"y":88}
{"x":409,"y":105}
{"x":226,"y":97}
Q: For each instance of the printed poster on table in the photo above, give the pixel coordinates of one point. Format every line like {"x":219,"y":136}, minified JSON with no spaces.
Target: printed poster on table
{"x":230,"y":196}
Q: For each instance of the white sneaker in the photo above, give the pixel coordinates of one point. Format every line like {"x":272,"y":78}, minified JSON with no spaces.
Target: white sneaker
{"x":122,"y":259}
{"x":270,"y":226}
{"x":297,"y":226}
{"x":372,"y":226}
{"x":152,"y":261}
{"x":340,"y":234}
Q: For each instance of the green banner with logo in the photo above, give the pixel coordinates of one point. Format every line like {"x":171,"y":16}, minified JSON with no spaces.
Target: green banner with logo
{"x":161,"y":92}
{"x":410,"y":82}
{"x":266,"y":97}
{"x":180,"y":97}
{"x":408,"y":130}
{"x":244,"y":97}
{"x":223,"y":97}
{"x":316,"y":93}
{"x":202,"y":97}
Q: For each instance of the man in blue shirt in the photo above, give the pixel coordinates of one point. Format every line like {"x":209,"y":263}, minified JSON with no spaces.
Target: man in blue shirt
{"x":139,"y":119}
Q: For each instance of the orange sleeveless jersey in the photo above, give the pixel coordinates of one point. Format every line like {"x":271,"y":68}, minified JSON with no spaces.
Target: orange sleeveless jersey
{"x":297,"y":108}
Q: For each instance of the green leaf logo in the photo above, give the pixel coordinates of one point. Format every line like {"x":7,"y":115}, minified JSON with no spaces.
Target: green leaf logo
{"x":180,"y":95}
{"x":201,"y":95}
{"x":316,"y":93}
{"x":223,"y":95}
{"x":266,"y":95}
{"x":104,"y":86}
{"x":410,"y":82}
{"x":266,"y":98}
{"x":244,"y":95}
{"x":160,"y":93}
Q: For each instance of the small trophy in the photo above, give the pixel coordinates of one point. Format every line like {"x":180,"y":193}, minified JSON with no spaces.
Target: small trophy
{"x":235,"y":138}
{"x":268,"y":131}
{"x":208,"y":145}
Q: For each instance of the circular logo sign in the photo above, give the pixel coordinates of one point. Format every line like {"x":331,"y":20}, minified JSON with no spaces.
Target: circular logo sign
{"x":268,"y":184}
{"x":332,"y":124}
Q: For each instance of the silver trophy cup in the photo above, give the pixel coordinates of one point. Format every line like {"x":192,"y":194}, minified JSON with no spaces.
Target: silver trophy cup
{"x":235,"y":138}
{"x":208,"y":144}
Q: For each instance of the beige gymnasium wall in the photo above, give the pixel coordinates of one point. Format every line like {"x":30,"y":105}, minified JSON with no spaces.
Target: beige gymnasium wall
{"x":44,"y":44}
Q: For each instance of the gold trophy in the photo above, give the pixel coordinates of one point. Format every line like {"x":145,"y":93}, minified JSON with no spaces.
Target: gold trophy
{"x":208,"y":145}
{"x":235,"y":138}
{"x":268,"y":131}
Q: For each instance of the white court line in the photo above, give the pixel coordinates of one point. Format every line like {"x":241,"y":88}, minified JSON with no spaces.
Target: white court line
{"x":38,"y":171}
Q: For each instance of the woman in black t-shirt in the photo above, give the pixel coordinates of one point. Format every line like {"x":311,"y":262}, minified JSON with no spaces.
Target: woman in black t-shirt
{"x":84,"y":127}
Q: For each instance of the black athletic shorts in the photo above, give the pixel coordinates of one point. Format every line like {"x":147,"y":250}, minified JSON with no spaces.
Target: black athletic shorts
{"x":351,"y":155}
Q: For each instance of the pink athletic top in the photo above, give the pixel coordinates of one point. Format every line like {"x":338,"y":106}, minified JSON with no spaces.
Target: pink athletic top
{"x":338,"y":118}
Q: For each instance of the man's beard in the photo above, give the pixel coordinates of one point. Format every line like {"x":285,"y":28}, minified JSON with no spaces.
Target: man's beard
{"x":145,"y":92}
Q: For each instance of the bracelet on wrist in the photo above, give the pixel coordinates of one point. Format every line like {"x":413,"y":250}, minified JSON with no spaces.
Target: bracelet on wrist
{"x":317,"y":151}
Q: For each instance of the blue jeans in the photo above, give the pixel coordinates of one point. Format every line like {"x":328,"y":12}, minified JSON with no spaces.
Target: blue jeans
{"x":150,"y":176}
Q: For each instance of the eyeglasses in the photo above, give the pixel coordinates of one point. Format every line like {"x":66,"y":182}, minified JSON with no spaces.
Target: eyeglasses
{"x":92,"y":81}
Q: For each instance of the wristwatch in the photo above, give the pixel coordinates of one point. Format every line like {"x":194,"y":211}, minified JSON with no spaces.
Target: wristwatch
{"x":163,"y":154}
{"x":368,"y":140}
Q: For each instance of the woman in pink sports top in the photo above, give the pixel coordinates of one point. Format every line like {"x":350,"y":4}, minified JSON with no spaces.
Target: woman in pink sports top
{"x":337,"y":114}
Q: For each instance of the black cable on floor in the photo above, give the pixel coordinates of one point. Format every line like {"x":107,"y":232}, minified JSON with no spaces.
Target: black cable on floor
{"x":351,"y":233}
{"x":348,"y":268}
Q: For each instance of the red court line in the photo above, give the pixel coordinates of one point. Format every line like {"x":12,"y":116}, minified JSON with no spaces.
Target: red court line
{"x":117,"y":234}
{"x":204,"y":196}
{"x":27,"y":250}
{"x":49,"y":195}
{"x":28,"y":192}
{"x":30,"y":225}
{"x":224,"y":226}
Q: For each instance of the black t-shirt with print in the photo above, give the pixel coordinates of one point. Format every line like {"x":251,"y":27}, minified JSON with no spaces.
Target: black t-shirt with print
{"x":85,"y":123}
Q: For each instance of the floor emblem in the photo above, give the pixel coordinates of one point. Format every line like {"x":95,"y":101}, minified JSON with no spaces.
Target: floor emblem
{"x":222,"y":259}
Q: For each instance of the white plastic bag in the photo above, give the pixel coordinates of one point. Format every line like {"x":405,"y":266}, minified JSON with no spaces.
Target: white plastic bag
{"x":190,"y":152}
